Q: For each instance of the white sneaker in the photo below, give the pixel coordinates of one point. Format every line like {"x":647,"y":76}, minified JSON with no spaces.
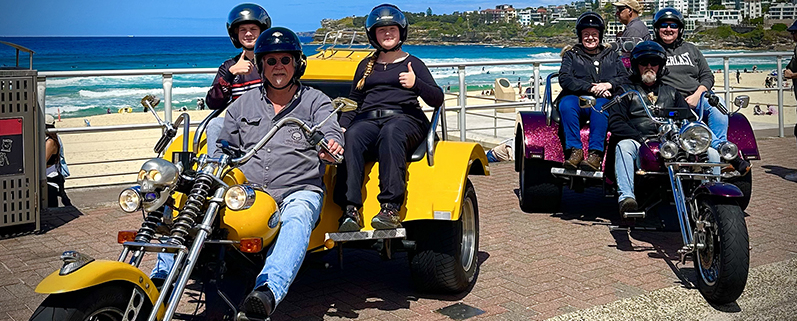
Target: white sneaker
{"x":792,"y":177}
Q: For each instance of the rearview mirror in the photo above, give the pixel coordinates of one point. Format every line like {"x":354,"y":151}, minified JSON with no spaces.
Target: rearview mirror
{"x":586,"y":101}
{"x":741,"y":101}
{"x":344,"y":104}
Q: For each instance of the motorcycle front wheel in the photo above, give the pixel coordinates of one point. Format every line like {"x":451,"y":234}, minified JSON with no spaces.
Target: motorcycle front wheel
{"x":723,"y":263}
{"x":106,"y":302}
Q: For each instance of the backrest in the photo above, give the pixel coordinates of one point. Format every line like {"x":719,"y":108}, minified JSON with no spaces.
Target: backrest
{"x":426,"y":147}
{"x":550,"y":106}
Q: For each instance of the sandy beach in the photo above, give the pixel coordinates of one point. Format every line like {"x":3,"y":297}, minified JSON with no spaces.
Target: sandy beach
{"x":125,"y":151}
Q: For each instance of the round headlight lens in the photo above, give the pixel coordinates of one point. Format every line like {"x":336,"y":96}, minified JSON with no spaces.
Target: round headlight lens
{"x":695,"y":138}
{"x":130,"y":200}
{"x":668,"y":150}
{"x":728,"y":150}
{"x":239,"y":197}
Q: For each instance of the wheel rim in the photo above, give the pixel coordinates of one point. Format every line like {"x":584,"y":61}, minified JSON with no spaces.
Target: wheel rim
{"x":468,"y":249}
{"x":708,"y":257}
{"x":107,"y":313}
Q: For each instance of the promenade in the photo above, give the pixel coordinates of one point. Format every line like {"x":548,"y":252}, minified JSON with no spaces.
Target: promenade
{"x":565,"y":266}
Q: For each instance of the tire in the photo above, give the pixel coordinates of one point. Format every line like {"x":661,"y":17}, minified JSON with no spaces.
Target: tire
{"x":445,"y":259}
{"x":745,"y":184}
{"x":103,"y":302}
{"x":539,"y":190}
{"x":722,"y":266}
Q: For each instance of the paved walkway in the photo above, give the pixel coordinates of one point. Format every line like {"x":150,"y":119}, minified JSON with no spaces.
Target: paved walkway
{"x":533,"y":266}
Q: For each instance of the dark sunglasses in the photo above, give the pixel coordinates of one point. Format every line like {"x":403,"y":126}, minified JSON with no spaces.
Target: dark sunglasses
{"x":650,"y":62}
{"x":672,"y":25}
{"x":620,"y":9}
{"x":283,"y":60}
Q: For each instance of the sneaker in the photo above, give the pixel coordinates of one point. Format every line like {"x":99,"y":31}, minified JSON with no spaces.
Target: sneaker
{"x":576,"y":156}
{"x":593,"y":161}
{"x":259,"y":304}
{"x":740,"y":165}
{"x":628,"y":205}
{"x":351,"y":221}
{"x":791,"y":177}
{"x":388,"y":217}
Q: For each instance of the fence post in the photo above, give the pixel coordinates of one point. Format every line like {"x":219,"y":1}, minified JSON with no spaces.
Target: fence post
{"x":463,"y":98}
{"x":727,"y":66}
{"x":167,"y":97}
{"x":781,"y":133}
{"x":537,"y":86}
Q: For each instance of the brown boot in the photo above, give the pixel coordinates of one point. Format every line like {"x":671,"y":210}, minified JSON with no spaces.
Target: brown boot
{"x":388,"y":217}
{"x":593,"y":161}
{"x":576,"y":156}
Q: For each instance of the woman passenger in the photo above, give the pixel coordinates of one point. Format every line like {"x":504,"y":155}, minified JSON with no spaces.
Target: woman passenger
{"x":388,"y":123}
{"x":588,"y":68}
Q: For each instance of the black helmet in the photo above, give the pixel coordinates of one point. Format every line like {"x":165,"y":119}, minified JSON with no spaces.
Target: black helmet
{"x":648,"y":50}
{"x":280,"y":39}
{"x":793,"y":27}
{"x":668,"y":14}
{"x":246,"y":13}
{"x":590,"y":19}
{"x":386,"y":15}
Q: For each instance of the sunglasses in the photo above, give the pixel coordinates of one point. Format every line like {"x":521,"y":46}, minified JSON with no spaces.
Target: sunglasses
{"x":620,"y":9}
{"x":650,"y":62}
{"x":672,"y":25}
{"x":283,"y":60}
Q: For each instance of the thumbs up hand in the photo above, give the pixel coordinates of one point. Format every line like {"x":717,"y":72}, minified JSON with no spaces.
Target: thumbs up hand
{"x":242,"y":67}
{"x":407,"y":79}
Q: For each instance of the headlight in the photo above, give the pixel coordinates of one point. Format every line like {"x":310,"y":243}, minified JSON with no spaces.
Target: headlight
{"x":728,"y":150}
{"x":695,"y":138}
{"x":239,"y":197}
{"x":130,"y":199}
{"x":668,"y":150}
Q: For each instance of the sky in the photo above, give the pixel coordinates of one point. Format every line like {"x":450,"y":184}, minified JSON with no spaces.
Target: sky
{"x":194,"y":18}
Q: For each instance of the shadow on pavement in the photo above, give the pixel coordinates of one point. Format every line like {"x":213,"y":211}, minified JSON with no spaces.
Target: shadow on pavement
{"x":779,"y":171}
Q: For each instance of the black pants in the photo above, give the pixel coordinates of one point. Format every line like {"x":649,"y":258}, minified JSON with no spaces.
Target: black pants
{"x":54,"y":192}
{"x":388,"y":140}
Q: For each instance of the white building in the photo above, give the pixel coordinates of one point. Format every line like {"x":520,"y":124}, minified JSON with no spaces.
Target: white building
{"x":782,"y":11}
{"x":728,"y":17}
{"x":752,"y":9}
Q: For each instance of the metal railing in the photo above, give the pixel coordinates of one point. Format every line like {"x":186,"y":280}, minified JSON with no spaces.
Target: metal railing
{"x":462,"y":108}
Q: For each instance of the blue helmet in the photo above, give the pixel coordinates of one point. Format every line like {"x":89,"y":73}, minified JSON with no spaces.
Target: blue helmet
{"x":793,"y":27}
{"x":668,"y":14}
{"x":386,"y":15}
{"x":648,"y":50}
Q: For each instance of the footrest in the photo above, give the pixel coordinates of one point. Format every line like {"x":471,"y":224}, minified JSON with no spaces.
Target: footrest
{"x":366,"y":235}
{"x":575,"y":172}
{"x":639,"y":215}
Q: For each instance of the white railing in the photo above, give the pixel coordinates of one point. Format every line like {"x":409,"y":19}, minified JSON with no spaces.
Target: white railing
{"x":461,"y":108}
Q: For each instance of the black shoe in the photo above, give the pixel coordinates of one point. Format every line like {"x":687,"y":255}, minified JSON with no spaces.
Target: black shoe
{"x":628,"y":205}
{"x":388,"y":217}
{"x":351,"y":221}
{"x":259,"y":304}
{"x":740,"y":165}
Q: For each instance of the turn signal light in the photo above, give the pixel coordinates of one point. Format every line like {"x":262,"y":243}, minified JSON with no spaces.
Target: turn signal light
{"x":251,"y":245}
{"x":125,"y":236}
{"x":329,"y":244}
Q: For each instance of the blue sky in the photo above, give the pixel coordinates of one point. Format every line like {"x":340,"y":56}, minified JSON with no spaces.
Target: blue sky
{"x":192,"y":18}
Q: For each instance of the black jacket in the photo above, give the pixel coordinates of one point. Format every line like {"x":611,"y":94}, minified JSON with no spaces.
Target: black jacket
{"x":579,"y":70}
{"x":627,"y":119}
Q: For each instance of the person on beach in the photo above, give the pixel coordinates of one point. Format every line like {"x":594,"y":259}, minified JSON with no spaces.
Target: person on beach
{"x":689,"y":73}
{"x":56,"y":171}
{"x":388,"y":123}
{"x":288,"y":166}
{"x":791,"y":73}
{"x":588,"y":68}
{"x":238,"y":74}
{"x":738,"y":76}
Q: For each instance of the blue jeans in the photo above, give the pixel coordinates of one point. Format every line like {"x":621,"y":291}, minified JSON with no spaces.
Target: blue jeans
{"x":299,"y":213}
{"x":571,"y":116}
{"x":716,"y":121}
{"x":212,"y":133}
{"x":627,"y":159}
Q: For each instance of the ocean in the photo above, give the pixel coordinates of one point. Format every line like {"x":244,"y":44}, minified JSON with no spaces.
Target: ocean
{"x":85,"y":96}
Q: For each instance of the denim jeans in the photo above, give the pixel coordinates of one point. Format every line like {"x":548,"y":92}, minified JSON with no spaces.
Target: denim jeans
{"x":299,"y":213}
{"x":627,"y":159}
{"x":212,"y":132}
{"x":571,"y":116}
{"x":716,"y":121}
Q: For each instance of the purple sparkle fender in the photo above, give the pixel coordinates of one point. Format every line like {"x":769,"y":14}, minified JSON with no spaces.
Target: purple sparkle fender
{"x":741,"y":133}
{"x":540,"y":140}
{"x":719,"y":189}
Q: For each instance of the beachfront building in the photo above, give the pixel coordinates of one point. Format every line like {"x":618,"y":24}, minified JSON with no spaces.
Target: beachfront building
{"x":728,"y":17}
{"x":752,"y":9}
{"x":524,"y":16}
{"x":782,"y":11}
{"x":501,"y":13}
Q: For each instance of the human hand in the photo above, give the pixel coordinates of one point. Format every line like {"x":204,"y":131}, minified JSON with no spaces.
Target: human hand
{"x":788,"y":74}
{"x":693,"y":99}
{"x":407,"y":79}
{"x":601,"y":89}
{"x":334,"y":149}
{"x":242,"y":67}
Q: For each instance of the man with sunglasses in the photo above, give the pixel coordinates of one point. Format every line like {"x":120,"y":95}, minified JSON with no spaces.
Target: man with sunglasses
{"x":628,"y":14}
{"x":689,"y":73}
{"x":629,"y":124}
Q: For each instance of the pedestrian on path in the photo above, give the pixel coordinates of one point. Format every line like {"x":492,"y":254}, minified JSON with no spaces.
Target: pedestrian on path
{"x":791,"y":73}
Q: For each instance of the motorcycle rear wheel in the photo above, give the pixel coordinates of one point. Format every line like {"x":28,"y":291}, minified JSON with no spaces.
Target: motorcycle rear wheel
{"x":106,"y":302}
{"x":723,"y":265}
{"x":539,"y":190}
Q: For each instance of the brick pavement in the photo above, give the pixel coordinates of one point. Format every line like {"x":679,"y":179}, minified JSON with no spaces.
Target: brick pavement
{"x":533,"y":266}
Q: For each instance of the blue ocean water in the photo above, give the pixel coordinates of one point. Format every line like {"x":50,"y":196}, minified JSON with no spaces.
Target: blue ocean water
{"x":83,"y":96}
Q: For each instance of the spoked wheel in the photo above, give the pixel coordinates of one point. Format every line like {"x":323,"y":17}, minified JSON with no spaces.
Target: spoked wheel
{"x":106,"y":302}
{"x":539,"y":190}
{"x":723,"y":262}
{"x":445,"y":258}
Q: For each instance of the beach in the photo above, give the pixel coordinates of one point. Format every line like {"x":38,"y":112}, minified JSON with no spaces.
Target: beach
{"x":126,"y":151}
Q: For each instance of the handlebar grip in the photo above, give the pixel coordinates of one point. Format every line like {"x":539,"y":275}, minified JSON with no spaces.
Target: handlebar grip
{"x":161,"y":144}
{"x":324,"y":144}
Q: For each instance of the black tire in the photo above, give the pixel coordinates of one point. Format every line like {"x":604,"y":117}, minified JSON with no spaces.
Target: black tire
{"x":744,"y":183}
{"x":722,"y":266}
{"x":103,"y":302}
{"x":446,"y":254}
{"x":540,"y":192}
